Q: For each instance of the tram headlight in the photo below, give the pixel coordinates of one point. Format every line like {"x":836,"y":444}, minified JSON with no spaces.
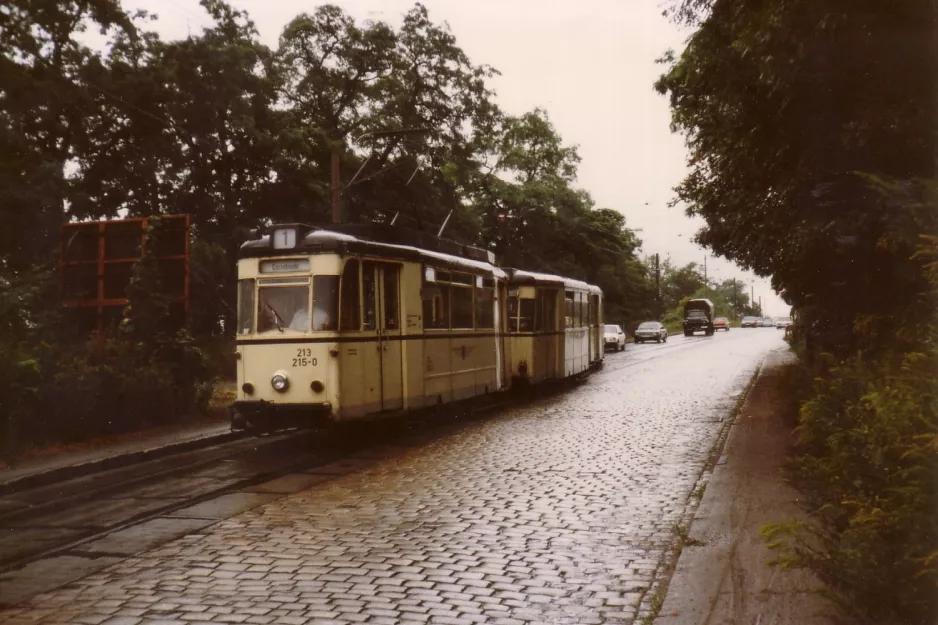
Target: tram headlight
{"x":279,"y":382}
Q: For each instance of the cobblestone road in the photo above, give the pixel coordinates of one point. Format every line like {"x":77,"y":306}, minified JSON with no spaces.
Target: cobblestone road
{"x":560,"y":511}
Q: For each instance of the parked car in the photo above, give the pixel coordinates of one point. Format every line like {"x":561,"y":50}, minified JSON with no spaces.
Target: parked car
{"x":613,"y":338}
{"x":751,"y":322}
{"x":768,"y":323}
{"x":721,"y":323}
{"x":782,"y":322}
{"x":651,"y":331}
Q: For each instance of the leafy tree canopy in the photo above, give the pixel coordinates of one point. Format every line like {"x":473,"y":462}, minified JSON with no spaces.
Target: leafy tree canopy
{"x":811,"y":133}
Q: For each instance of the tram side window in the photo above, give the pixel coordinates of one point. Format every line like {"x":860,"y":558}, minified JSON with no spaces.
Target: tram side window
{"x":568,"y":310}
{"x":369,"y":295}
{"x":580,"y":310}
{"x":350,"y":321}
{"x":325,"y":303}
{"x":436,"y":306}
{"x":513,"y":313}
{"x":462,"y":307}
{"x":391,"y":303}
{"x":526,"y":315}
{"x":485,"y":307}
{"x":546,"y":306}
{"x":245,"y":306}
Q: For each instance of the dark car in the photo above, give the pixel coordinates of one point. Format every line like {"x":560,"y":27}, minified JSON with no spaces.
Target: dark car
{"x":698,"y":316}
{"x":651,"y":331}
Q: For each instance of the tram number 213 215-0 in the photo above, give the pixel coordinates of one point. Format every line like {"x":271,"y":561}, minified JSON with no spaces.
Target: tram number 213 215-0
{"x":304,"y":358}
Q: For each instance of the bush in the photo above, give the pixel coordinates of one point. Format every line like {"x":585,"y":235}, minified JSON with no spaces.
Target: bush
{"x":56,"y":385}
{"x":867,"y":462}
{"x":104,"y":385}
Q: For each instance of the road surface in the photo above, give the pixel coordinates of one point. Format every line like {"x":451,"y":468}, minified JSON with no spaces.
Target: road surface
{"x":563,"y":509}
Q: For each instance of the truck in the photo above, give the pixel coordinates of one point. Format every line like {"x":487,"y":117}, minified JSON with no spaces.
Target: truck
{"x":698,"y":315}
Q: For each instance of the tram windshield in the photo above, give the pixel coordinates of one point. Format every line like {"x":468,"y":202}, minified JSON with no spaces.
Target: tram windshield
{"x":282,"y":308}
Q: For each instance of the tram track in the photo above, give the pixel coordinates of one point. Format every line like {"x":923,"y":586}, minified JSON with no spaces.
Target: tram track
{"x":65,"y":519}
{"x":58,"y":518}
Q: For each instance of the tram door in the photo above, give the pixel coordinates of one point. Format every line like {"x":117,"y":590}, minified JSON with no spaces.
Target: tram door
{"x":382,"y":308}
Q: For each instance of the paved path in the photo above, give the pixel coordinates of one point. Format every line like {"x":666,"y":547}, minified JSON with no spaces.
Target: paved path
{"x":722,"y":577}
{"x":561,"y":511}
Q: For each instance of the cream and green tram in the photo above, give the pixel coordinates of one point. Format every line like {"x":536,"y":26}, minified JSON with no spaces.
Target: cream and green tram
{"x":554,"y":326}
{"x":363,"y":320}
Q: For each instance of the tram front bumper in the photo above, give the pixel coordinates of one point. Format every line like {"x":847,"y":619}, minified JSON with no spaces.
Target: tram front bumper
{"x":260,"y":415}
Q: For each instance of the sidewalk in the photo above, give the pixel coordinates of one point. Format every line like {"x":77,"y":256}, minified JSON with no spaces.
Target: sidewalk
{"x":722,"y":577}
{"x":68,"y":461}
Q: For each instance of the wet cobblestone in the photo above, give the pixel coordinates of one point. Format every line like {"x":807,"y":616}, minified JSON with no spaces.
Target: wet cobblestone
{"x":556,"y":512}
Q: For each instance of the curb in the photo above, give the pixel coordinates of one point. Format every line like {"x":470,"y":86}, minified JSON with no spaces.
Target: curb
{"x":61,"y":474}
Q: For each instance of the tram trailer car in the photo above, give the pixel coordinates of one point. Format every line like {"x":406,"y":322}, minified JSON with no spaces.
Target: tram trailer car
{"x":554,"y":326}
{"x":400,"y":320}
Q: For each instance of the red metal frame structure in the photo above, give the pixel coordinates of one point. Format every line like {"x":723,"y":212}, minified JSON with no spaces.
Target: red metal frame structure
{"x":97,"y":258}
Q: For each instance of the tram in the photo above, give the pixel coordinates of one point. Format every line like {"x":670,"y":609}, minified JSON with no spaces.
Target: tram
{"x":545,"y":344}
{"x":365,"y":320}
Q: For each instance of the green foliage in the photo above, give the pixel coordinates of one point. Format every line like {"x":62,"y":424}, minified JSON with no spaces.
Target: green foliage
{"x":867,"y":465}
{"x":804,"y":165}
{"x":57,"y":386}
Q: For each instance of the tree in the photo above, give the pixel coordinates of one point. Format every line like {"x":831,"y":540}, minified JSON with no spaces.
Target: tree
{"x":43,"y":110}
{"x":803,"y":166}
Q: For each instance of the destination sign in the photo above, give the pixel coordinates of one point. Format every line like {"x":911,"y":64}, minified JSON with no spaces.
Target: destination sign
{"x":284,"y":266}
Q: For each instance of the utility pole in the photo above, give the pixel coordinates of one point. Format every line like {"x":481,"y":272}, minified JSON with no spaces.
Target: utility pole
{"x":760,"y":306}
{"x":657,"y":289}
{"x":752,"y":294}
{"x":705,"y":269}
{"x":735,"y":299}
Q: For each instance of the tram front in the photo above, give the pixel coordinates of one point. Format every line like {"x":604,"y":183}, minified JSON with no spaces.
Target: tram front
{"x":288,"y":315}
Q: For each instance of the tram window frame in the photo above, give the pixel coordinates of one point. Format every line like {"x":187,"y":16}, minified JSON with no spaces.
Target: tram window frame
{"x":461,"y":306}
{"x":246,"y":298}
{"x":545,"y":320}
{"x":526,"y":313}
{"x":568,"y":309}
{"x":513,"y":308}
{"x":392,"y":304}
{"x":350,"y":297}
{"x":484,"y":303}
{"x":369,"y":284}
{"x":435,"y":306}
{"x":325,"y":309}
{"x":282,"y":289}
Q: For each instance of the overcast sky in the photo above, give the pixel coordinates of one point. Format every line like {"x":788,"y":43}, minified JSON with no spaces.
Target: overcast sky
{"x":589,"y":63}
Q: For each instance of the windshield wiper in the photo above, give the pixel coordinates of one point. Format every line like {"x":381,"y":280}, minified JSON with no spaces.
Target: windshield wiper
{"x":277,"y":318}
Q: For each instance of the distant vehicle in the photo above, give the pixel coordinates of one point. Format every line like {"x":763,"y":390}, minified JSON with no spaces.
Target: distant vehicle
{"x":613,"y":338}
{"x":698,"y":315}
{"x":721,"y":323}
{"x":751,"y":322}
{"x":782,"y":322}
{"x":768,"y":322}
{"x":651,"y":331}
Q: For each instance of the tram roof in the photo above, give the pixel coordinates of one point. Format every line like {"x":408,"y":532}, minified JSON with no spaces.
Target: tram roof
{"x":378,"y":240}
{"x":520,"y":276}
